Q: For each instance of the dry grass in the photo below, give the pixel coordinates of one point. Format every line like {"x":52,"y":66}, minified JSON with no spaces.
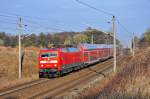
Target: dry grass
{"x":30,"y":63}
{"x":9,"y":65}
{"x":132,"y":81}
{"x":8,"y":62}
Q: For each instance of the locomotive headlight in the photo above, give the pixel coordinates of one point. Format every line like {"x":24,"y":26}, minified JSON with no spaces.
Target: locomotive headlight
{"x":43,"y":61}
{"x":42,"y":65}
{"x":55,"y":65}
{"x":53,"y":61}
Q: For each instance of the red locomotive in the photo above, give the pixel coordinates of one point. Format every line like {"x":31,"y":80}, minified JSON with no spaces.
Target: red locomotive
{"x":58,"y":61}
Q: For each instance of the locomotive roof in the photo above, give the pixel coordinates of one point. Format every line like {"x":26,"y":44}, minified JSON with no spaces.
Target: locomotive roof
{"x":67,"y":49}
{"x":51,"y":48}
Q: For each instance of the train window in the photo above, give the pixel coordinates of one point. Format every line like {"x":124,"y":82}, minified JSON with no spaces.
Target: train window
{"x":44,"y":55}
{"x":49,"y":54}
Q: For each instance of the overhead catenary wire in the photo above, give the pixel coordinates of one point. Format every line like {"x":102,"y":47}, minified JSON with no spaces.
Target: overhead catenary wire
{"x":20,"y":15}
{"x":7,"y":22}
{"x":48,"y":27}
{"x":123,"y":27}
{"x":8,"y":28}
{"x":33,"y":19}
{"x":15,"y":15}
{"x":30,"y":21}
{"x":104,"y":12}
{"x":127,"y":32}
{"x":7,"y":16}
{"x":94,"y":8}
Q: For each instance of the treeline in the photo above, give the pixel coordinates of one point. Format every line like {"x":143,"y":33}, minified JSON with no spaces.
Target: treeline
{"x":143,"y":41}
{"x":66,"y":38}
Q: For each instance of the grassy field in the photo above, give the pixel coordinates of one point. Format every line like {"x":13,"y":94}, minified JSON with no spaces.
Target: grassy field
{"x":9,"y":65}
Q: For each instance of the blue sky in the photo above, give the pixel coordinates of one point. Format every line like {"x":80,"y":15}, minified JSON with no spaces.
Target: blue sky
{"x":68,"y":15}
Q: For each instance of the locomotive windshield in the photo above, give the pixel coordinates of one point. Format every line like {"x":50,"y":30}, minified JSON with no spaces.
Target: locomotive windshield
{"x":49,"y":54}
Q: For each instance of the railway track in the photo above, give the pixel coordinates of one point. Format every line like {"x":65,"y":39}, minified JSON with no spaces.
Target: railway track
{"x":21,"y":86}
{"x":52,"y":87}
{"x":60,"y":89}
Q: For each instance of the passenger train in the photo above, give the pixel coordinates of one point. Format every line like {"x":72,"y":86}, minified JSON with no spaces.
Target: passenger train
{"x":54,"y":62}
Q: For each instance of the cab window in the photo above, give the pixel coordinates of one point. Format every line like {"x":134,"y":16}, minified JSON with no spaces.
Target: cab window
{"x":49,"y":54}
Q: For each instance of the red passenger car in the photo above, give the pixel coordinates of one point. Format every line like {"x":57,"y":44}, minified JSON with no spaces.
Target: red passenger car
{"x":95,"y":52}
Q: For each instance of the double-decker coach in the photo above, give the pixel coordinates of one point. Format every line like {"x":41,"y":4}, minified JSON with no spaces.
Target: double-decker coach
{"x":94,"y":52}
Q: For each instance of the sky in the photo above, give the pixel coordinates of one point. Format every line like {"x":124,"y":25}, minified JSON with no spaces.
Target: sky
{"x":69,"y":15}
